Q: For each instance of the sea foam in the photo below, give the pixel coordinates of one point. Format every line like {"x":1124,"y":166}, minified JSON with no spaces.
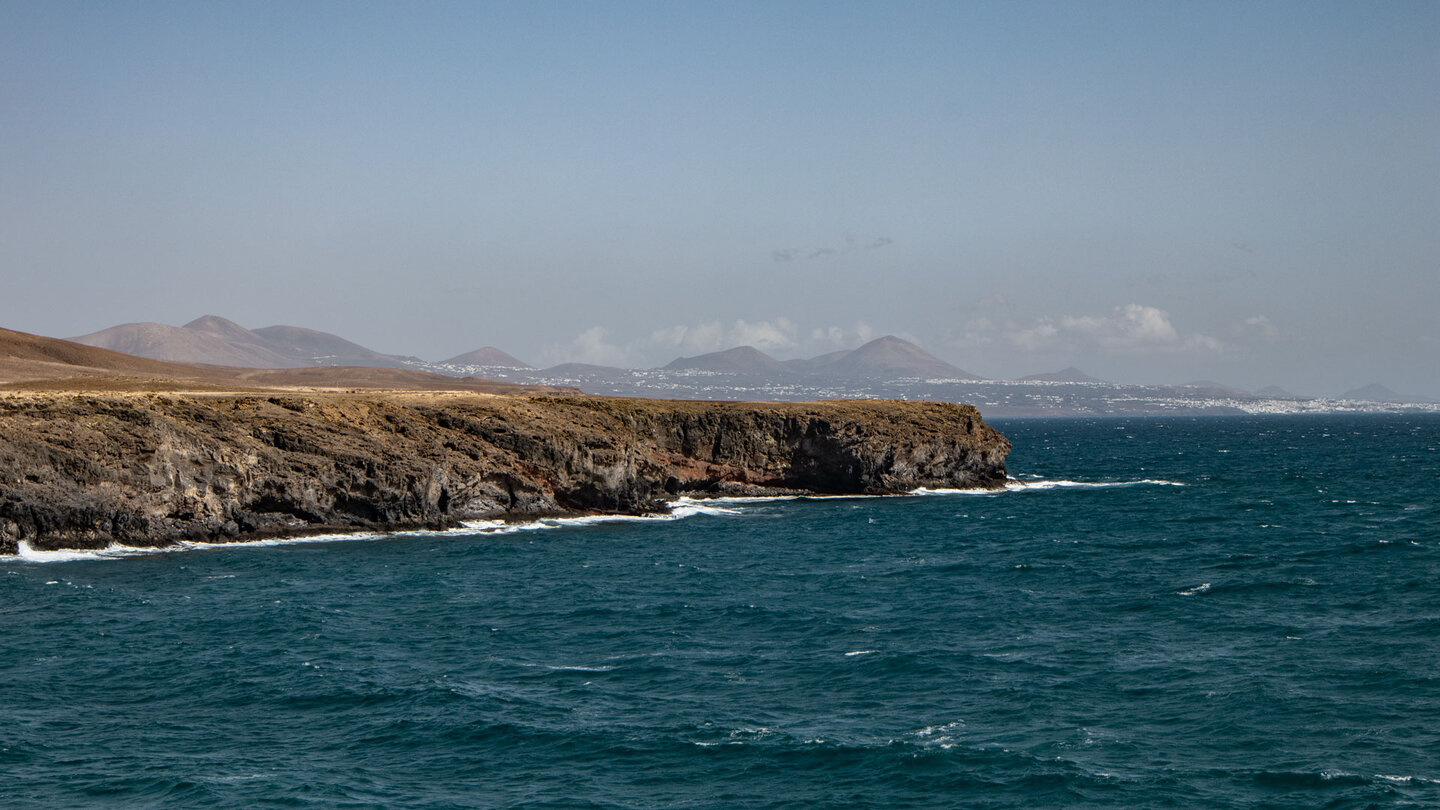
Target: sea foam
{"x":680,"y":508}
{"x":1042,"y":484}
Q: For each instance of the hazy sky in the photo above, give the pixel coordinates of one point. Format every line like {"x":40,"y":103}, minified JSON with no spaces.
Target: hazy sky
{"x":1154,"y":192}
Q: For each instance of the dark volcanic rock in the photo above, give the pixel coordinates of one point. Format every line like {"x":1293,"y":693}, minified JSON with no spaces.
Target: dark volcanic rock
{"x":84,"y":471}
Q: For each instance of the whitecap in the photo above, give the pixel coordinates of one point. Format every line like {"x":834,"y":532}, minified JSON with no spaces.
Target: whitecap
{"x":1407,"y":780}
{"x":1198,"y":589}
{"x":941,"y":736}
{"x":26,"y":553}
{"x":1041,"y":484}
{"x":681,"y":508}
{"x":277,"y":541}
{"x":854,"y":653}
{"x":1014,"y":485}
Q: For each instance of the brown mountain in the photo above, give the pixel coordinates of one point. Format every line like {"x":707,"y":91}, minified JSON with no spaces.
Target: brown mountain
{"x":218,"y":341}
{"x":211,"y":343}
{"x":307,"y":347}
{"x":740,"y":360}
{"x":891,"y":356}
{"x":814,"y":364}
{"x":486,"y":356}
{"x":34,"y":362}
{"x":26,"y":358}
{"x":888,"y":357}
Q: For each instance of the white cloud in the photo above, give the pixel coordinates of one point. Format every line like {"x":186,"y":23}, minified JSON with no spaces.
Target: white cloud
{"x":764,"y":335}
{"x":713,"y":336}
{"x":831,"y":338}
{"x":689,"y":339}
{"x":1130,"y":329}
{"x":1259,"y":326}
{"x":1038,"y":336}
{"x":590,"y":346}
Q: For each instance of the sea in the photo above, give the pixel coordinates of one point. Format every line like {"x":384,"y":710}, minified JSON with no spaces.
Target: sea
{"x":1165,"y":612}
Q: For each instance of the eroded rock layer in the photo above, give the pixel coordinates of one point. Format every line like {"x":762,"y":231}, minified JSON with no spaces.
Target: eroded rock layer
{"x":85,"y":471}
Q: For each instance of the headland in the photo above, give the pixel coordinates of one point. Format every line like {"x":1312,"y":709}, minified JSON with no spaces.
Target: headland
{"x":100,"y":449}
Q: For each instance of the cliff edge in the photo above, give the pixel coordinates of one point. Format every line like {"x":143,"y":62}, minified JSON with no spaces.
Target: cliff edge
{"x":85,"y":470}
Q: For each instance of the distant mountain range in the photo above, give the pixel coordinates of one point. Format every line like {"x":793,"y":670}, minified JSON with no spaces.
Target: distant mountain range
{"x":739,"y":360}
{"x":485,"y":356}
{"x":1068,"y":375}
{"x":217,"y":341}
{"x":1276,"y":392}
{"x":1374,"y":392}
{"x":888,"y":357}
{"x":32,"y":361}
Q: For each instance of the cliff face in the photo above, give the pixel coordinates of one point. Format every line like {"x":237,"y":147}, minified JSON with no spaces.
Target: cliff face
{"x":83,"y":471}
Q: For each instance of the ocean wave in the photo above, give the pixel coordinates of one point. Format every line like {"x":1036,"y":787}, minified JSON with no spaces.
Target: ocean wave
{"x":679,"y":509}
{"x":1040,"y":484}
{"x":28,"y":554}
{"x":114,"y":551}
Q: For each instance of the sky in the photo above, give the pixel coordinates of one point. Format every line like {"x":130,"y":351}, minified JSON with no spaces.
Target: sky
{"x":1154,"y":192}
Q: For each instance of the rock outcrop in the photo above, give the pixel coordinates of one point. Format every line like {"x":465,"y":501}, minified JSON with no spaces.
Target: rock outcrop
{"x":150,"y":469}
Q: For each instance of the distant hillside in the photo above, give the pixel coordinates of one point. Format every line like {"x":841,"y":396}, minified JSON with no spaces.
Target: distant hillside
{"x":812,"y":365}
{"x":486,"y":356}
{"x":1374,"y":392}
{"x":308,"y":347}
{"x":584,"y":370}
{"x":1068,"y":375}
{"x":1276,"y":392}
{"x":26,"y":358}
{"x":217,"y":341}
{"x":741,"y":360}
{"x":34,"y":362}
{"x":891,"y":356}
{"x":1213,"y":387}
{"x":182,"y":344}
{"x":888,"y":357}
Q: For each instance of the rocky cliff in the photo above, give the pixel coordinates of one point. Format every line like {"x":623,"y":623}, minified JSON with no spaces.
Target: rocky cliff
{"x":87,"y":470}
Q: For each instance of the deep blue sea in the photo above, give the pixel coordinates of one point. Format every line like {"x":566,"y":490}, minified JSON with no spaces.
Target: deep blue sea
{"x":1223,"y":612}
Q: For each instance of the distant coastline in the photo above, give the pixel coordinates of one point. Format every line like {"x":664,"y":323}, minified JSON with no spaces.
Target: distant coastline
{"x":887,"y":367}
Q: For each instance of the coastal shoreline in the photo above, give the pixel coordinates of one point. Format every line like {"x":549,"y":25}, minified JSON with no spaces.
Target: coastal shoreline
{"x":86,"y":469}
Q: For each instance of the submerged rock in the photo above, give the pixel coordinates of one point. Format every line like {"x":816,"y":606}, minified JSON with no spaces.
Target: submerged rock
{"x":85,"y":471}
